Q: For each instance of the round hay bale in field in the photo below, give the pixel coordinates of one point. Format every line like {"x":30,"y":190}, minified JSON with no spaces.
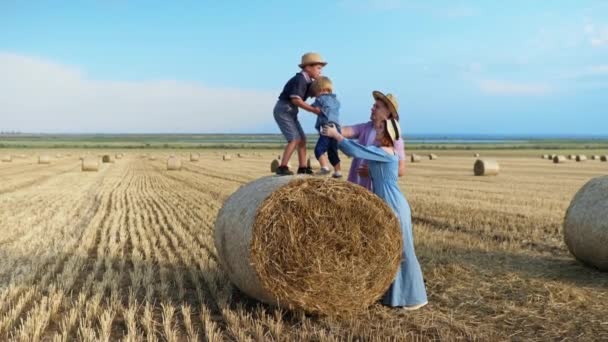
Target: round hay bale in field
{"x":313,"y":163}
{"x":544,"y":156}
{"x":119,"y":156}
{"x":107,"y":158}
{"x":433,"y":156}
{"x":226,"y":157}
{"x":58,"y":156}
{"x":194,"y":157}
{"x":414,"y":158}
{"x":274,"y":165}
{"x":486,"y":167}
{"x":44,"y":159}
{"x":90,"y":164}
{"x":581,"y":157}
{"x":571,"y":157}
{"x":604,"y":158}
{"x":476,"y":155}
{"x":281,"y":243}
{"x":595,"y":157}
{"x":152,"y":158}
{"x":174,"y":164}
{"x":7,"y":159}
{"x":586,"y":224}
{"x":240,"y":155}
{"x":559,"y":159}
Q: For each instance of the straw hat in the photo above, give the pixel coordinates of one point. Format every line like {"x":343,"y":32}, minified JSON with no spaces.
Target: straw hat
{"x":312,"y":58}
{"x":393,"y":129}
{"x":389,"y":99}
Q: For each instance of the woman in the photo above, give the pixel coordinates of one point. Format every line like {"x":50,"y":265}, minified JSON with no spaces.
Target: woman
{"x":407,"y":290}
{"x":385,"y":107}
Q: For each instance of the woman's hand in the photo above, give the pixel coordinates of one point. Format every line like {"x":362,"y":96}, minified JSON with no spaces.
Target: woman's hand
{"x":330,"y":131}
{"x":363,"y":171}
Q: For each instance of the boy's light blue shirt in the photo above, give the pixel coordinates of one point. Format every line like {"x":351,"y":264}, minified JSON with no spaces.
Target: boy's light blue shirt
{"x":330,"y":110}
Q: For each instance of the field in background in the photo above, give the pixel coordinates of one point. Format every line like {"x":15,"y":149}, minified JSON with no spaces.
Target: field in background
{"x":127,"y":253}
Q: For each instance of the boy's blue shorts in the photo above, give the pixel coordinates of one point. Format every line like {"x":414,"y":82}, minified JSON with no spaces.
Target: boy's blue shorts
{"x":286,"y":116}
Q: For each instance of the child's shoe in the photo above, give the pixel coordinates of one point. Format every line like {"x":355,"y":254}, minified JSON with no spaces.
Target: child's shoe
{"x":283,"y":171}
{"x":337,"y":174}
{"x":324,"y":172}
{"x":305,"y":171}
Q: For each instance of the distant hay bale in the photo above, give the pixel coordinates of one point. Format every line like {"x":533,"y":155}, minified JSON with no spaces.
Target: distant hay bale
{"x":226,"y":157}
{"x":194,"y":157}
{"x":44,"y":159}
{"x":106,"y":158}
{"x":559,"y":159}
{"x":90,"y":164}
{"x":581,"y":157}
{"x":414,"y":158}
{"x":174,"y":164}
{"x":313,"y":163}
{"x":571,"y":156}
{"x":58,"y":156}
{"x":595,"y":157}
{"x":551,"y":156}
{"x":7,"y":159}
{"x":240,"y":155}
{"x":152,"y":158}
{"x":545,"y":156}
{"x":476,"y":155}
{"x":319,"y":258}
{"x":486,"y":167}
{"x":433,"y":156}
{"x":586,"y":224}
{"x":119,"y":156}
{"x":604,"y":158}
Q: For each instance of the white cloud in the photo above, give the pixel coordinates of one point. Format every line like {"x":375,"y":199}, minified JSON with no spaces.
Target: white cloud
{"x":497,"y":87}
{"x":597,"y":35}
{"x":37,"y":95}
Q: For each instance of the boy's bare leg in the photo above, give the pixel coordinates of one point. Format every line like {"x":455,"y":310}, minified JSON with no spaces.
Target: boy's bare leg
{"x":302,"y":153}
{"x":337,"y":168}
{"x":324,"y":161}
{"x":291,"y":146}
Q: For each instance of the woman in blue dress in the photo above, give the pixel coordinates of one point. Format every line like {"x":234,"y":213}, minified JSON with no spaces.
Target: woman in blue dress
{"x":407,"y":290}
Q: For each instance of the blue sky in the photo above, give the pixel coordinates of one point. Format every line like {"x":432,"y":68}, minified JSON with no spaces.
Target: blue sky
{"x":491,"y":67}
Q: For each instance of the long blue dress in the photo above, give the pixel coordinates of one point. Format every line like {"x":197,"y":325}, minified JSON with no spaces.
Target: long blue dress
{"x":408,"y":287}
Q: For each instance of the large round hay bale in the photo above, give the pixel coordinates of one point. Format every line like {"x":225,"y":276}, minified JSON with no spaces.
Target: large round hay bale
{"x":604,"y":158}
{"x":90,"y":164}
{"x":545,"y":156}
{"x":571,"y":157}
{"x":106,"y":158}
{"x":486,"y":167}
{"x":281,"y":243}
{"x":194,"y":157}
{"x":226,"y":157}
{"x":313,"y":163}
{"x":7,"y":159}
{"x":433,"y":156}
{"x":586,"y":224}
{"x":414,"y":158}
{"x":581,"y":157}
{"x":44,"y":159}
{"x":559,"y":159}
{"x":174,"y":164}
{"x":595,"y":157}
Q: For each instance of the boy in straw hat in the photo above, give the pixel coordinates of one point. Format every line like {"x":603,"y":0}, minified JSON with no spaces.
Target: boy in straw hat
{"x":326,"y":101}
{"x":295,"y":92}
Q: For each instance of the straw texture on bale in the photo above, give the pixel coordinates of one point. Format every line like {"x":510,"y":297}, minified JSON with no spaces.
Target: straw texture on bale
{"x":312,"y":244}
{"x":7,"y":159}
{"x":581,"y":157}
{"x":559,"y":159}
{"x":486,"y":167}
{"x":107,"y":158}
{"x":586,"y":224}
{"x":44,"y":159}
{"x":90,"y":164}
{"x":174,"y":164}
{"x":194,"y":157}
{"x":604,"y":158}
{"x":313,"y":163}
{"x":433,"y":156}
{"x":415,"y":158}
{"x":226,"y":157}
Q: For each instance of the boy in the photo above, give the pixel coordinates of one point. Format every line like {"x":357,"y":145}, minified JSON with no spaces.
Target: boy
{"x":293,"y":96}
{"x":329,"y":106}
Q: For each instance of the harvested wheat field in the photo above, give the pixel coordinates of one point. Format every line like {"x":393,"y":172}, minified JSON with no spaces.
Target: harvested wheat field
{"x":127,"y":253}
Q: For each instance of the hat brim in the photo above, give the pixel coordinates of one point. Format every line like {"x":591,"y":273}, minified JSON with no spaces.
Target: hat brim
{"x":378,"y":95}
{"x":313,"y":63}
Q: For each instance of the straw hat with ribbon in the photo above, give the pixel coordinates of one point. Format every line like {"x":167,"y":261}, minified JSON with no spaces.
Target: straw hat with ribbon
{"x":389,"y":100}
{"x":311,"y":58}
{"x":393,"y":129}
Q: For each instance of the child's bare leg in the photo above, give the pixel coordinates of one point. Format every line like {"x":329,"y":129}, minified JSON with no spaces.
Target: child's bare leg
{"x":291,"y":146}
{"x":337,"y":167}
{"x":324,"y":161}
{"x":302,"y":152}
